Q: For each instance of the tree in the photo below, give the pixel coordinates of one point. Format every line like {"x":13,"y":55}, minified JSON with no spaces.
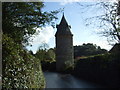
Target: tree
{"x":20,"y":19}
{"x":109,"y":21}
{"x":44,"y":54}
{"x":88,"y":50}
{"x":41,"y":53}
{"x":112,"y":18}
{"x":31,"y":52}
{"x":51,"y":53}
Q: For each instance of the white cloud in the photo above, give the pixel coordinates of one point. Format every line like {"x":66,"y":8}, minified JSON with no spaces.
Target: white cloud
{"x":64,"y":2}
{"x":44,"y":35}
{"x":104,"y":44}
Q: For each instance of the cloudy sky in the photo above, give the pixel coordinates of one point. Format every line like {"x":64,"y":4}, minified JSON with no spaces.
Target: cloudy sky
{"x":75,"y":16}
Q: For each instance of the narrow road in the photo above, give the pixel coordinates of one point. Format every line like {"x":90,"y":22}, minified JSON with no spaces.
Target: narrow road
{"x":56,"y":80}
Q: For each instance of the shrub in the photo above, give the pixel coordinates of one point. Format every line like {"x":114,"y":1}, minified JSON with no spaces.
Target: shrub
{"x":20,"y":69}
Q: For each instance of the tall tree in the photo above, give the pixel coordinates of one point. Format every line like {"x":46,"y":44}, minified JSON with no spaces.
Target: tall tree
{"x":20,"y":19}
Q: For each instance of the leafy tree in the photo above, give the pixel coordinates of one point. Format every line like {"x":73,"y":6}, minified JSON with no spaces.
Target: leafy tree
{"x":51,"y":53}
{"x":87,"y":50}
{"x":20,"y":19}
{"x":45,"y":55}
{"x":41,"y":53}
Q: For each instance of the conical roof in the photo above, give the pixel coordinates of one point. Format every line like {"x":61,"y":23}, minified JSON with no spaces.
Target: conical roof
{"x":63,"y":21}
{"x":63,"y":28}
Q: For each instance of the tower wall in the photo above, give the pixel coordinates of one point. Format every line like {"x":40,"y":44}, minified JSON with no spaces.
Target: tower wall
{"x":64,"y":51}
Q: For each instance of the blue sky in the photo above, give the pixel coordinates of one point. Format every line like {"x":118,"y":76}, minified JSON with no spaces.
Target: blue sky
{"x":75,"y":18}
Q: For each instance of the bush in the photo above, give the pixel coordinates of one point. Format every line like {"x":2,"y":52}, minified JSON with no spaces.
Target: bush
{"x":20,"y":69}
{"x":103,"y":69}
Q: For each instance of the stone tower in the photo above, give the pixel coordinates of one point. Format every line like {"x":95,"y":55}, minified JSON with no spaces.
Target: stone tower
{"x":64,"y":46}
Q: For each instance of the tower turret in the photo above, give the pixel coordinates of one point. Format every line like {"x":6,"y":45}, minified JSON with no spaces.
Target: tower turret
{"x":64,"y":46}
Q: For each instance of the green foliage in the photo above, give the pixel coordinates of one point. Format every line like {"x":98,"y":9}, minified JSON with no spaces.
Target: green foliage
{"x":20,"y":19}
{"x":51,"y":54}
{"x":47,"y":58}
{"x":19,"y":22}
{"x":20,"y":69}
{"x":40,"y":55}
{"x":45,"y":55}
{"x":102,"y":69}
{"x":87,"y":50}
{"x":103,"y":61}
